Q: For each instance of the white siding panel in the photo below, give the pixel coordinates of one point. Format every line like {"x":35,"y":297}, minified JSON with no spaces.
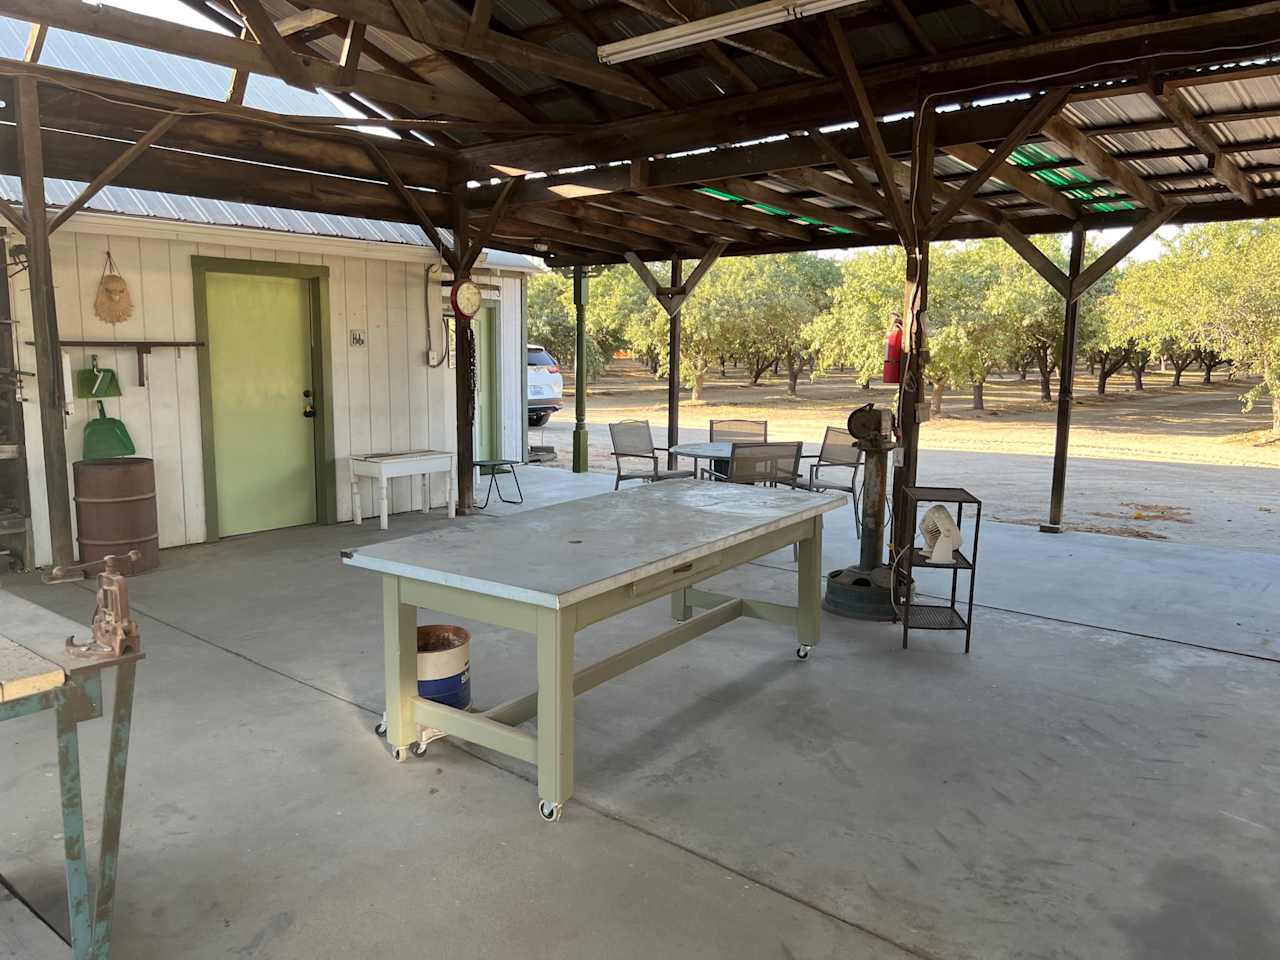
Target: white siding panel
{"x":384,"y":394}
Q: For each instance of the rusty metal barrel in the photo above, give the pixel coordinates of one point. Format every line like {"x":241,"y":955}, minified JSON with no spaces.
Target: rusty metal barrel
{"x":116,"y":510}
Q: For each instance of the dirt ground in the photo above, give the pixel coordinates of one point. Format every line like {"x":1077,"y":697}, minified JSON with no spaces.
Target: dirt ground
{"x":1217,"y":486}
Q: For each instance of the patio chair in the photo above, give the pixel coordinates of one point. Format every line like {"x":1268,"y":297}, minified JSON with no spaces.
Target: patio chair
{"x":750,"y":431}
{"x":837,"y":451}
{"x":747,"y":431}
{"x":632,"y":440}
{"x":770,"y":464}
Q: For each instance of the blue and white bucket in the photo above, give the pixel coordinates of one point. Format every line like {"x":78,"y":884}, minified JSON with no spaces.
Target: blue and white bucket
{"x":444,"y":665}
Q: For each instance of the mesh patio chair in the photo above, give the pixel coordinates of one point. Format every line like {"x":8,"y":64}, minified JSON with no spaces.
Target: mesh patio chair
{"x":749,"y":431}
{"x":632,"y":440}
{"x":767,"y":463}
{"x":837,"y":452}
{"x":746,"y":431}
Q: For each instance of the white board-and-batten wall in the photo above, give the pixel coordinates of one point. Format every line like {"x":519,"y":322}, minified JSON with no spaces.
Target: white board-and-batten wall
{"x":385,"y":394}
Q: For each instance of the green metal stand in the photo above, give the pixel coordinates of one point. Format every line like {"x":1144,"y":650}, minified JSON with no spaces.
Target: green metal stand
{"x":80,"y":698}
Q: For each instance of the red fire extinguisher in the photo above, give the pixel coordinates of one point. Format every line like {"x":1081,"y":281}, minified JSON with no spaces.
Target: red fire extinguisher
{"x":893,"y":351}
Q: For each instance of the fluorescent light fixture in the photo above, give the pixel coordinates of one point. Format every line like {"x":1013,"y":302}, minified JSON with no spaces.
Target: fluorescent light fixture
{"x":718,"y":27}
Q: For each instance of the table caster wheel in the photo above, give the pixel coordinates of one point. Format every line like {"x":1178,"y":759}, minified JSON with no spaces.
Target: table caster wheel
{"x":419,"y":748}
{"x":380,"y":728}
{"x":549,"y":811}
{"x":401,"y":754}
{"x":803,"y":652}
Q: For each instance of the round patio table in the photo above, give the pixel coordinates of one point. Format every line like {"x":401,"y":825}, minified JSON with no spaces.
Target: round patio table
{"x":719,"y":450}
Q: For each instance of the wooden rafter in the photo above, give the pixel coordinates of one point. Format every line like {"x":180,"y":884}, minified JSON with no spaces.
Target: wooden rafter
{"x":1224,"y":168}
{"x":1041,"y":110}
{"x":1118,"y":172}
{"x":352,"y":48}
{"x":302,"y":20}
{"x":287,"y":66}
{"x":735,"y":213}
{"x":856,"y":95}
{"x":758,"y":193}
{"x":650,"y":208}
{"x":410,"y":18}
{"x":767,"y":43}
{"x":114,"y":24}
{"x":1024,"y":183}
{"x":113,"y":170}
{"x":729,"y":67}
{"x":587,"y":27}
{"x":855,"y":191}
{"x":855,"y":174}
{"x":35,"y":43}
{"x":664,"y":232}
{"x":911,"y":25}
{"x":598,"y":231}
{"x":1007,"y":13}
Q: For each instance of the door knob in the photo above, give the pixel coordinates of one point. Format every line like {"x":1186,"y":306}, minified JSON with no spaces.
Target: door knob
{"x":306,"y":394}
{"x":308,"y":411}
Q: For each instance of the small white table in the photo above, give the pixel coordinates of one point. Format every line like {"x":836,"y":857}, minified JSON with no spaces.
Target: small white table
{"x":383,"y":466}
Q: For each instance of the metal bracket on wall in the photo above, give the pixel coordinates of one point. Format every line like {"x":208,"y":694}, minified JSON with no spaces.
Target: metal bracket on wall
{"x":143,"y":347}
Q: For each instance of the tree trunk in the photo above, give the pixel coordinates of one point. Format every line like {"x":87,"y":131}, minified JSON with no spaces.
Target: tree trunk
{"x":1208,"y":373}
{"x":1046,"y":373}
{"x":866,"y":384}
{"x":1275,"y":411}
{"x":776,"y":363}
{"x":1178,"y":370}
{"x":698,"y":379}
{"x":1022,"y":373}
{"x":722,"y":371}
{"x":1137,"y":379}
{"x":939,"y":388}
{"x":977,"y":395}
{"x":793,"y":374}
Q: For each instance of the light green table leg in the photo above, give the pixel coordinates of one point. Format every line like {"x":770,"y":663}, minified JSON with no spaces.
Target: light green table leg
{"x":680,"y":609}
{"x":400,"y":636}
{"x":809,"y":600}
{"x":555,"y":710}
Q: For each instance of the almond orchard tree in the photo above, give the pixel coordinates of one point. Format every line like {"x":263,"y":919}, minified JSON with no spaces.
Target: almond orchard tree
{"x":1225,"y":276}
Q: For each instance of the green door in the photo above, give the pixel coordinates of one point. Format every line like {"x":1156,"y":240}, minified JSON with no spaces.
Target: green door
{"x":486,"y":438}
{"x":261,"y":382}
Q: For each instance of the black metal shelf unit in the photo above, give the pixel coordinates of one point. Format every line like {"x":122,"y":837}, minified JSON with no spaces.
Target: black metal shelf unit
{"x":934,"y":616}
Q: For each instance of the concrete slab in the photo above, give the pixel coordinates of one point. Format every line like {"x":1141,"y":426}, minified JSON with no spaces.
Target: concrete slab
{"x":1063,"y":792}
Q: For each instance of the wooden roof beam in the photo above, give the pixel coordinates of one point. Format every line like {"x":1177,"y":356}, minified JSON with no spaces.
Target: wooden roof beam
{"x":650,"y":208}
{"x":734,"y":213}
{"x":1022,"y":182}
{"x":862,"y":196}
{"x":287,"y":67}
{"x":758,"y":193}
{"x":995,"y":159}
{"x":1224,"y":168}
{"x":410,"y":18}
{"x":856,"y":95}
{"x":1007,"y":13}
{"x":112,"y":23}
{"x":766,"y":43}
{"x":1117,"y":171}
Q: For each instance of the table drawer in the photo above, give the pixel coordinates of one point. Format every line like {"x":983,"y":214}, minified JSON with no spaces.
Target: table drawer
{"x":681,"y":576}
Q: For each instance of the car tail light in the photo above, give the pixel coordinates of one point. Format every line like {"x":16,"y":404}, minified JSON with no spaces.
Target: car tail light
{"x":554,"y":368}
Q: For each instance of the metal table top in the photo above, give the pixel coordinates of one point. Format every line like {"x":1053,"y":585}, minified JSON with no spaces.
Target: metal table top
{"x":717,"y":450}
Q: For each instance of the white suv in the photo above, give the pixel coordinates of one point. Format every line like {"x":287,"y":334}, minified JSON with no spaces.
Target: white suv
{"x":546,"y":386}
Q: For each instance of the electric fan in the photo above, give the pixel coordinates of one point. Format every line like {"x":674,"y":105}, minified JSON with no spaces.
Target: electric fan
{"x":941,"y":535}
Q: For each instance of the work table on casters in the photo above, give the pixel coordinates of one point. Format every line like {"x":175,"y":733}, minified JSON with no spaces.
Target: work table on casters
{"x":595,"y":558}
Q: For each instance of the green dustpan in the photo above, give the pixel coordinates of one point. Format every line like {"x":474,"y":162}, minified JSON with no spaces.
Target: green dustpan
{"x":96,"y":382}
{"x":106,"y":437}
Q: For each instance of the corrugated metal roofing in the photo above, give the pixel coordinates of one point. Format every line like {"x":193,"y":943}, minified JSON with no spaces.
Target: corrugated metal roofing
{"x":84,"y":54}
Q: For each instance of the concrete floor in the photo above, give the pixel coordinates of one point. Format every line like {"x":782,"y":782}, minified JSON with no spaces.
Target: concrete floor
{"x":1065,"y":791}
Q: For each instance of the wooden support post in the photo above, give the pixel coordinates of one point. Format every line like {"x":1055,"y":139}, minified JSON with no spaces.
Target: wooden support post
{"x":915,"y":318}
{"x":673,"y":369}
{"x":1066,"y":377}
{"x":44,"y":321}
{"x":580,"y":370}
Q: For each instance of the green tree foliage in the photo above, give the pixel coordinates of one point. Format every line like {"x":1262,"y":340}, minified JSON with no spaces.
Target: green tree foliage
{"x":1214,"y":289}
{"x":851,"y":332}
